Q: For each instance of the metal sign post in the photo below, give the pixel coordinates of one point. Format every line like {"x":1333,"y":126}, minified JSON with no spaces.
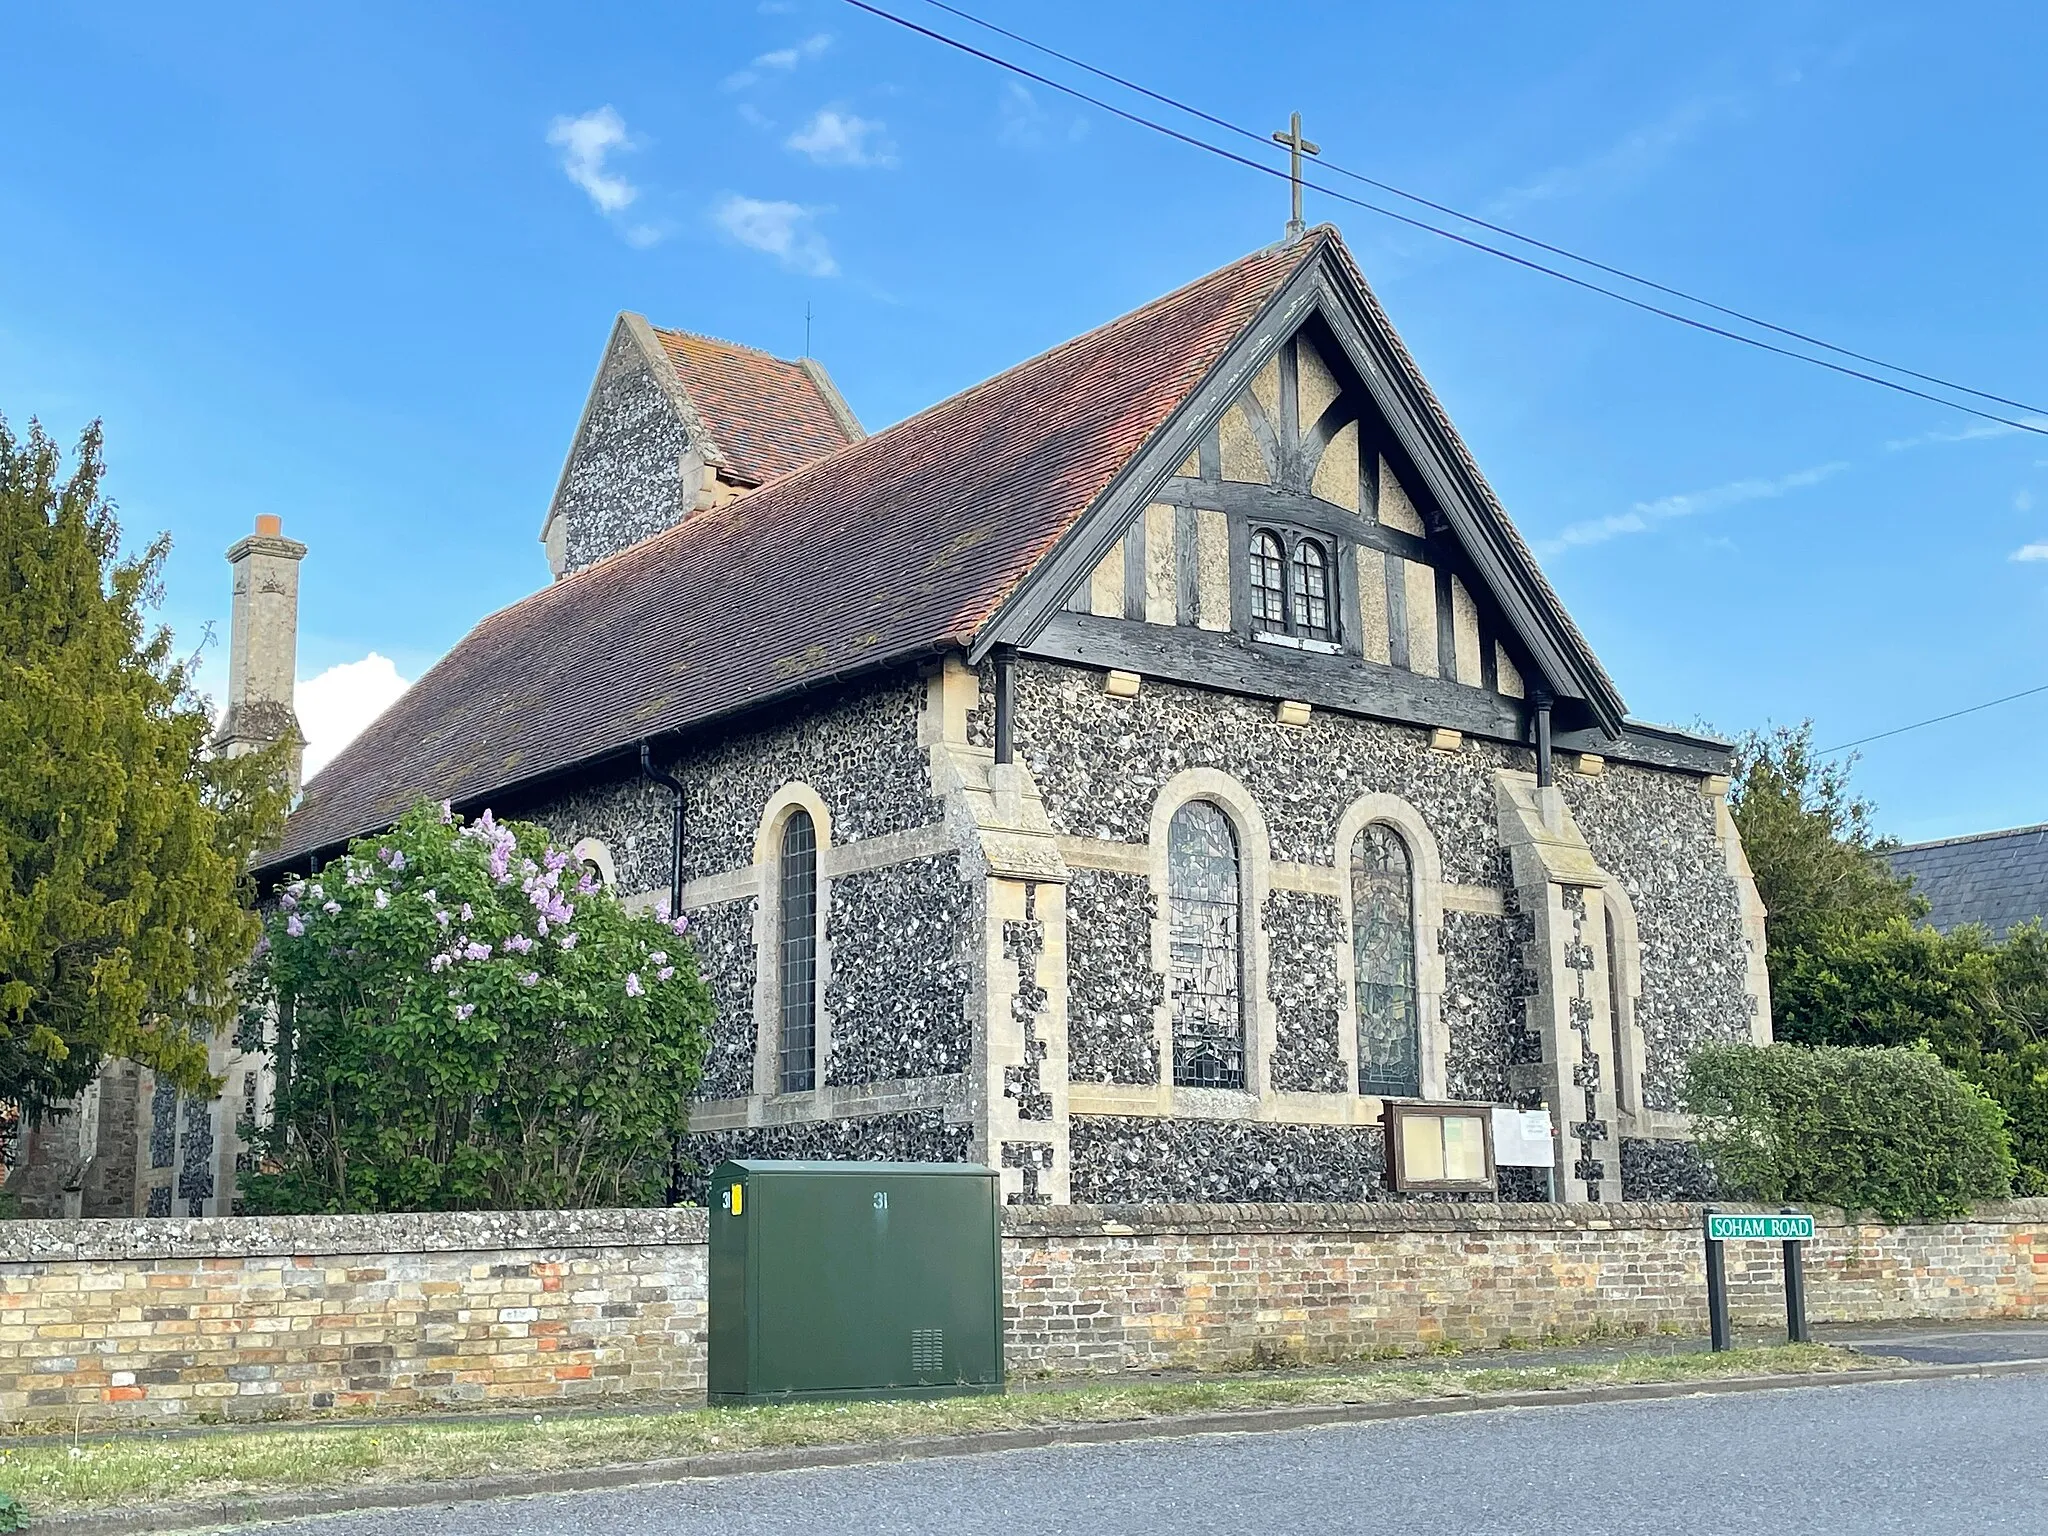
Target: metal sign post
{"x":1789,"y":1227}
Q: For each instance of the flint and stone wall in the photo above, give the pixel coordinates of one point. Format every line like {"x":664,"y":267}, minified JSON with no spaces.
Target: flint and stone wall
{"x":895,"y":1007}
{"x":180,"y":1321}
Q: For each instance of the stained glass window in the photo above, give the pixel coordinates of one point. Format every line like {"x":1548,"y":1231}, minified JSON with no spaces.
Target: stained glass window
{"x":1269,"y":583}
{"x":799,"y":1033}
{"x":1383,"y":954}
{"x":1206,"y":912}
{"x":1312,"y":591}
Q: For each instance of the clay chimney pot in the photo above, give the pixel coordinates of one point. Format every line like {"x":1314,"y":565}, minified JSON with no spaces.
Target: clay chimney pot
{"x":269,"y":524}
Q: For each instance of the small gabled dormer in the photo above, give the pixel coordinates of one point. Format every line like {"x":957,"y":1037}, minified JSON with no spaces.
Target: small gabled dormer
{"x":676,"y":423}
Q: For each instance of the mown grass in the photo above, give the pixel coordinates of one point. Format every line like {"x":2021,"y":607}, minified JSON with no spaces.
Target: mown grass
{"x":141,"y":1469}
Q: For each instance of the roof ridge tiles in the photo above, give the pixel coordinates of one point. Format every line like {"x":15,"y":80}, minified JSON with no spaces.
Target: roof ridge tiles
{"x":1969,"y":837}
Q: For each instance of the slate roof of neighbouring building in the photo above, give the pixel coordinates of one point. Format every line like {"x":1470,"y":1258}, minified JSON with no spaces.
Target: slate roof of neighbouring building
{"x":766,"y":415}
{"x":1997,"y":879}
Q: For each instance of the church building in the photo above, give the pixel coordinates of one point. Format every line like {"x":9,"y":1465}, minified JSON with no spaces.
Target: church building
{"x":1132,"y":773}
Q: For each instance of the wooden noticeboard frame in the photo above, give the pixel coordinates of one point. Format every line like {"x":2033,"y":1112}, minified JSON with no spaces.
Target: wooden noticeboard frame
{"x":1402,"y":1179}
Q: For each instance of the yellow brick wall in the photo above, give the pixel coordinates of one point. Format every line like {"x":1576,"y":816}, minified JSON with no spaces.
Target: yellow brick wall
{"x":182,"y":1321}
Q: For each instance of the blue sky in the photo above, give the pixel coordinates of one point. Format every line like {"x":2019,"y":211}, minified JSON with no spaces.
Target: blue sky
{"x":355,"y":267}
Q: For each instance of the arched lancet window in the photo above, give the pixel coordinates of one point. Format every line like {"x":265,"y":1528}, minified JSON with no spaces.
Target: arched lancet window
{"x":798,"y":1042}
{"x":1383,"y":957}
{"x":1269,"y":582}
{"x":1206,"y":910}
{"x":1312,"y":591}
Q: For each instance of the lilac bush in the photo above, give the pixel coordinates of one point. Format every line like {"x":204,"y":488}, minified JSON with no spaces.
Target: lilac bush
{"x":463,"y":1020}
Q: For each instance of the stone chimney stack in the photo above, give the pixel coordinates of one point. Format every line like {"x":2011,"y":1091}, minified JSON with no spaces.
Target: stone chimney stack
{"x":263,"y":645}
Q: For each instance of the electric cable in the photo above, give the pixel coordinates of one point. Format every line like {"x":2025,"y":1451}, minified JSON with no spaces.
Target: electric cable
{"x":1954,"y":714}
{"x":1597,"y":265}
{"x":1434,"y":229}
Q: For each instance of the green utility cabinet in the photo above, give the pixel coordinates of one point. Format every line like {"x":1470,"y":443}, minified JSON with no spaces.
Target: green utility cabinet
{"x":854,"y":1280}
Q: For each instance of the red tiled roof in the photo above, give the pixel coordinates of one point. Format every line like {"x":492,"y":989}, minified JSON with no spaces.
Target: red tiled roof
{"x":885,"y":549}
{"x":767,"y":416}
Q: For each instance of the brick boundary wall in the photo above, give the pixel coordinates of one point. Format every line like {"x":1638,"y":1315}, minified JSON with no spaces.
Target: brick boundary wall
{"x":167,"y":1321}
{"x":1124,"y":1288}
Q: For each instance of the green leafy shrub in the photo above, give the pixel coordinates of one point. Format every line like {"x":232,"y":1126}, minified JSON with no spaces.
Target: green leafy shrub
{"x":1886,"y":1130}
{"x":13,"y":1517}
{"x":463,"y":1021}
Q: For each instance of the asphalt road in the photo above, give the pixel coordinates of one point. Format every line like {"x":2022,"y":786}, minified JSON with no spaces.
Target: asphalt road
{"x":1921,"y":1457}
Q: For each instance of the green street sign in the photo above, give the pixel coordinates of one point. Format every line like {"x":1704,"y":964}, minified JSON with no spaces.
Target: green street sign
{"x":1790,"y":1228}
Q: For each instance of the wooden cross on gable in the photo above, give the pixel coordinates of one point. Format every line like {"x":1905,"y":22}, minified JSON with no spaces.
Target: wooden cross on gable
{"x":1297,"y":146}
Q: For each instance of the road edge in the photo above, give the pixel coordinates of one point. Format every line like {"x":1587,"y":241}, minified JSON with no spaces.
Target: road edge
{"x":272,"y":1507}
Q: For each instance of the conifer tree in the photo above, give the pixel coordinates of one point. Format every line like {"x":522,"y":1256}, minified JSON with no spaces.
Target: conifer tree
{"x":125,"y":906}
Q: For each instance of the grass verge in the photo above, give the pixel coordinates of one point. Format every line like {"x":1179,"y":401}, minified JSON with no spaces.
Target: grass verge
{"x":144,"y":1470}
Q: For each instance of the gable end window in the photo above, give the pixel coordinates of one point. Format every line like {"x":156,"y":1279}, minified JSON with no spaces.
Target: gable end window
{"x":1293,"y":588}
{"x":798,"y":968}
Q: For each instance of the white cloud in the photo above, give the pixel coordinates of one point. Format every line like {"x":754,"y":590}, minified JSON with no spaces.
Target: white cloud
{"x":1976,"y":431}
{"x":833,"y":137}
{"x":786,"y":231}
{"x":2029,"y":552}
{"x":1025,"y":124}
{"x":585,"y":142}
{"x":1645,"y":515}
{"x":1628,"y":160}
{"x":777,"y":60}
{"x":334,"y":707}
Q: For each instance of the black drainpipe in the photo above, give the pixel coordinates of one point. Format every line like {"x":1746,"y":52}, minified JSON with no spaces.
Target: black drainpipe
{"x":1544,"y":777}
{"x":1006,"y":705}
{"x":675,"y":878}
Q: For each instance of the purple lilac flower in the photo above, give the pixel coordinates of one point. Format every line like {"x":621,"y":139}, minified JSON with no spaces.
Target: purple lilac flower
{"x":475,"y":951}
{"x":541,"y":924}
{"x":447,"y":813}
{"x":530,"y":979}
{"x":331,"y":908}
{"x":586,"y":885}
{"x":440,"y":962}
{"x":315,"y":891}
{"x":661,"y":908}
{"x":556,"y":859}
{"x":633,"y":988}
{"x":666,"y":973}
{"x":441,"y":917}
{"x":517,"y":944}
{"x":383,"y":898}
{"x":464,"y":1010}
{"x":681,"y":924}
{"x":659,"y":957}
{"x":466,"y":914}
{"x":567,"y":940}
{"x":288,"y":901}
{"x":294,"y":927}
{"x":501,"y":859}
{"x":262,"y":946}
{"x":397,"y":861}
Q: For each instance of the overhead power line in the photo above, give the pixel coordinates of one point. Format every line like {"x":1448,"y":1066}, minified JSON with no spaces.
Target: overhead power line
{"x":1465,"y":240}
{"x":1954,"y":714}
{"x":1325,"y":163}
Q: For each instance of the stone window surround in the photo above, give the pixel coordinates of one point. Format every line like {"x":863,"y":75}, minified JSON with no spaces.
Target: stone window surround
{"x":1259,"y":873}
{"x":591,"y":850}
{"x":1427,"y":866}
{"x":1254,"y":874}
{"x":767,"y":871}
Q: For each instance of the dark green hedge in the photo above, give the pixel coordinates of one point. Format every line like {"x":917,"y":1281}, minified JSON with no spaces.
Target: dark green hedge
{"x":1890,"y":1131}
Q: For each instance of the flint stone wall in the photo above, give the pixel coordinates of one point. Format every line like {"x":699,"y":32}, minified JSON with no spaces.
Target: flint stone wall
{"x":179,"y":1321}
